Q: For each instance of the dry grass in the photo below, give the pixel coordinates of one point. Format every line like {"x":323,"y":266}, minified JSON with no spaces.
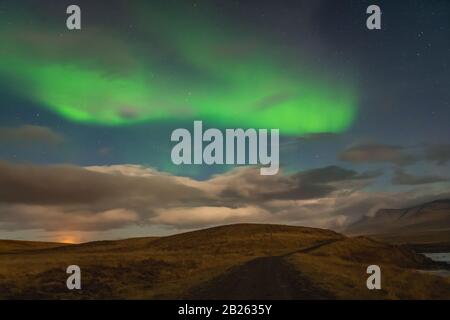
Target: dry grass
{"x":147,"y":267}
{"x":16,"y":246}
{"x":166,"y":267}
{"x":340,"y":268}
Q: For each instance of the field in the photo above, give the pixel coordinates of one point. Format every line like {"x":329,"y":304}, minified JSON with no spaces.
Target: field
{"x":241,"y":261}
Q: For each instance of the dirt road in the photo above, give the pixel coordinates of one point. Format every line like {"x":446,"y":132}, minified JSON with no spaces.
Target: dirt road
{"x":261,"y":278}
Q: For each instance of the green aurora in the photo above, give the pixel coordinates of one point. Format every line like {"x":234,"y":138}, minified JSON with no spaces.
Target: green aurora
{"x":227,"y":79}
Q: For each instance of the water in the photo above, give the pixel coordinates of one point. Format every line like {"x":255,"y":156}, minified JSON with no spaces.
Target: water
{"x":440,"y":256}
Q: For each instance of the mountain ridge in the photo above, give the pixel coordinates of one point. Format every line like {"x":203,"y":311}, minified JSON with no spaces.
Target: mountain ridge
{"x":429,"y":216}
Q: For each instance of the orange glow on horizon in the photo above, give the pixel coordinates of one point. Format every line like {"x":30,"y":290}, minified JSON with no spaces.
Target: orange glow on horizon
{"x":68,"y":239}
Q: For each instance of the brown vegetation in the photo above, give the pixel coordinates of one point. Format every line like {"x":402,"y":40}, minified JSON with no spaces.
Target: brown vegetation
{"x":306,"y":262}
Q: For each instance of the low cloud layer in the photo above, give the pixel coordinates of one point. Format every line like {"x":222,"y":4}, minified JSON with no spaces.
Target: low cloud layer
{"x":101,"y":198}
{"x":438,"y":154}
{"x":366,"y":153}
{"x":29,"y":134}
{"x":403,"y":178}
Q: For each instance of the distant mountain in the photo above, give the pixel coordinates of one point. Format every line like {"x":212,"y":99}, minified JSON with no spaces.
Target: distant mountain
{"x":430,"y":216}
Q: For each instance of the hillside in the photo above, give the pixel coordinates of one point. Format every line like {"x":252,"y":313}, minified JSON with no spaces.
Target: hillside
{"x":340,"y":268}
{"x":17,"y":246}
{"x":234,"y":261}
{"x":423,"y":219}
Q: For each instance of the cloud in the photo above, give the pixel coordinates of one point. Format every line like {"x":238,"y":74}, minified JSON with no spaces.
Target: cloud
{"x":193,"y":217}
{"x":76,"y":198}
{"x":66,"y":184}
{"x":438,"y":153}
{"x":366,"y":153}
{"x":104,"y":197}
{"x":403,"y":178}
{"x":244,"y":185}
{"x":100,"y":198}
{"x":372,"y":153}
{"x":67,"y":218}
{"x":30,"y":134}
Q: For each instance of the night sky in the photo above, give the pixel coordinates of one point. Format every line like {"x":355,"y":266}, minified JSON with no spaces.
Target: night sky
{"x":86,"y":115}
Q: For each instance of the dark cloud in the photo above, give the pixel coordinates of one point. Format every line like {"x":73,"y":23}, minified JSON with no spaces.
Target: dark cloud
{"x":438,"y":153}
{"x":310,"y":184}
{"x":334,"y":174}
{"x":29,"y":134}
{"x":402,"y":178}
{"x":65,"y":184}
{"x":372,"y":153}
{"x":366,"y":153}
{"x":317,"y":183}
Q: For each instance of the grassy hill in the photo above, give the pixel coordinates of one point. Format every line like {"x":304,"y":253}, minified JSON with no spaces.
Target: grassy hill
{"x":17,"y":246}
{"x":299,"y":263}
{"x":350,"y":258}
